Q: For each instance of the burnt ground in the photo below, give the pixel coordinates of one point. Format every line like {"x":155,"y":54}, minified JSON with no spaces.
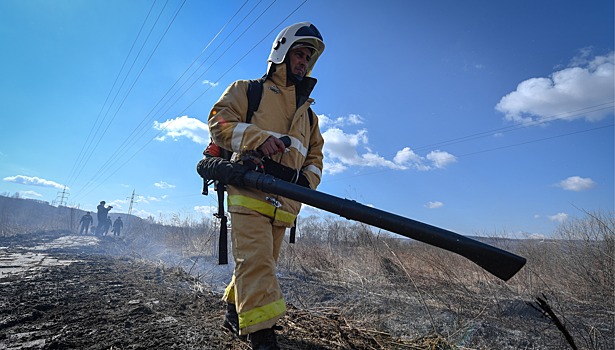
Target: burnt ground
{"x":62,"y":291}
{"x":80,"y":296}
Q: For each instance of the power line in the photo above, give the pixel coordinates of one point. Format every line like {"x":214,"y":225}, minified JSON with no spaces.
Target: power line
{"x":224,"y":74}
{"x":448,"y":142}
{"x":453,"y":141}
{"x":463,"y":155}
{"x":199,"y":78}
{"x":138,"y":76}
{"x":208,"y":57}
{"x":518,"y":126}
{"x":129,"y":141}
{"x":559,"y":116}
{"x":97,"y":132}
{"x":537,"y":140}
{"x":492,"y":149}
{"x":227,"y":71}
{"x":145,"y":120}
{"x":219,"y":57}
{"x":72,"y":174}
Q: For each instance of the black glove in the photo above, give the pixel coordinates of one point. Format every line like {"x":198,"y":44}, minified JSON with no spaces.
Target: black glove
{"x":214,"y":168}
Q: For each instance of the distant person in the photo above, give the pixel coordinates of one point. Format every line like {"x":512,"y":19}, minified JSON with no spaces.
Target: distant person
{"x":86,"y":222}
{"x":102,"y":217}
{"x":108,"y":224}
{"x":117,"y":226}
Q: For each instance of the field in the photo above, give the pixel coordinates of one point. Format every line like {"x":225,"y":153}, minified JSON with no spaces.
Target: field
{"x":348,"y":287}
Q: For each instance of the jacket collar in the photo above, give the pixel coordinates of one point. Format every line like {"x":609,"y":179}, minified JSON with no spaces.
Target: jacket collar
{"x":303,"y":89}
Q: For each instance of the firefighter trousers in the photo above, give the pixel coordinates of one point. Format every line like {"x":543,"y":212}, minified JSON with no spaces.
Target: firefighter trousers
{"x":254,"y":287}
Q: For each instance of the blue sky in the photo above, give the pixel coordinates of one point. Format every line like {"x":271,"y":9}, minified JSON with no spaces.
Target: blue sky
{"x":482,"y":117}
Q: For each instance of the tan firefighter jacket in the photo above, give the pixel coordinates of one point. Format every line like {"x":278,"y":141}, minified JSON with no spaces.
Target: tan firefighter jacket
{"x":277,"y":115}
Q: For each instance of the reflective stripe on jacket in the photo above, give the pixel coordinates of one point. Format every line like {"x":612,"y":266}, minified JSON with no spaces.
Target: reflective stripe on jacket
{"x":278,"y":115}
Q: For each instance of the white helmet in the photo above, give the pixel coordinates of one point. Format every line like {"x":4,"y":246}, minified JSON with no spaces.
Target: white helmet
{"x":302,"y":32}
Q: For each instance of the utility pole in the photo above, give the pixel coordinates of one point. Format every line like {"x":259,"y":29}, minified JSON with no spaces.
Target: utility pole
{"x":61,"y":201}
{"x":63,"y":197}
{"x":132,"y":199}
{"x":129,"y":217}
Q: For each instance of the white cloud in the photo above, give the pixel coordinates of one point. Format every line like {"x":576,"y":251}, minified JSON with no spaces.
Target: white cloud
{"x":149,"y":199}
{"x":184,"y":126}
{"x":343,"y":146}
{"x":342,"y":151}
{"x":568,"y":94}
{"x":559,"y":217}
{"x":206,"y":210}
{"x":534,"y":236}
{"x":354,"y":119}
{"x":333,"y":168}
{"x":163,"y":185}
{"x":576,"y":183}
{"x":351,"y":119}
{"x":441,"y":159}
{"x":33,"y":181}
{"x":143,"y":214}
{"x":434,"y":205}
{"x":374,"y":160}
{"x":210,"y":83}
{"x":118,"y":203}
{"x":308,"y":210}
{"x":29,"y":194}
{"x":406,"y":155}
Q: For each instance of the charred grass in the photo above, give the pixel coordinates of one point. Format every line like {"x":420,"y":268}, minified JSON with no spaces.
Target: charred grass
{"x":349,"y":287}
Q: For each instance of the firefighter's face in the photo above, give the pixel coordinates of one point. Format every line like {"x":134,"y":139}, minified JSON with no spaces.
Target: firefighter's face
{"x":299,"y":59}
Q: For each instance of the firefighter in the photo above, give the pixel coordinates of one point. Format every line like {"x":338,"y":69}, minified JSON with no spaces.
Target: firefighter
{"x":108,"y":225}
{"x":101,"y":215}
{"x":117,"y":226}
{"x":259,"y":220}
{"x":86,"y":222}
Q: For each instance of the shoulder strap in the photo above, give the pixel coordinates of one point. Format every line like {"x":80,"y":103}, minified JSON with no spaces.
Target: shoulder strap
{"x":255,"y":93}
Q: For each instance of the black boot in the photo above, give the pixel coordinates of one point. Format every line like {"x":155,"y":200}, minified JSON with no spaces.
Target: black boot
{"x":264,"y":339}
{"x":231,"y":320}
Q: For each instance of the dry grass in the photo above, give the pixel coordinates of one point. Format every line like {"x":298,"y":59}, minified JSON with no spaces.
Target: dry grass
{"x":409,"y":289}
{"x":431,"y":290}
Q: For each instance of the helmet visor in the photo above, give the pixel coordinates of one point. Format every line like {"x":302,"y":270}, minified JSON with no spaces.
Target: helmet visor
{"x":310,"y":31}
